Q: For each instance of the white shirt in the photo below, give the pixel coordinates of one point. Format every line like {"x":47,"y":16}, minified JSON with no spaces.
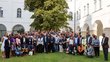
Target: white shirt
{"x":76,"y":40}
{"x":24,"y":39}
{"x":71,"y":41}
{"x":103,"y":40}
{"x":68,"y":39}
{"x":3,"y":43}
{"x":56,"y":39}
{"x":40,"y":41}
{"x":88,"y":39}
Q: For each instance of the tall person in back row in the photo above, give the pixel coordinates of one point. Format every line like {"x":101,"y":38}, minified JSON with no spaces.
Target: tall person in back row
{"x":105,"y":46}
{"x":7,"y":48}
{"x":4,"y":38}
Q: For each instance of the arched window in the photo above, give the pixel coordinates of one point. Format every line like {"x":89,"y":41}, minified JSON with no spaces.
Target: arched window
{"x":19,"y":12}
{"x":18,"y":29}
{"x":2,"y":30}
{"x":1,"y":12}
{"x":87,"y":8}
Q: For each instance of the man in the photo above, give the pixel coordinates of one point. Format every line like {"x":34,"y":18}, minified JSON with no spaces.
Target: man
{"x":56,"y":43}
{"x":45,"y":40}
{"x":52,"y":43}
{"x":24,"y":43}
{"x":88,"y":39}
{"x":49,"y":42}
{"x":105,"y":46}
{"x":79,"y":40}
{"x":76,"y":43}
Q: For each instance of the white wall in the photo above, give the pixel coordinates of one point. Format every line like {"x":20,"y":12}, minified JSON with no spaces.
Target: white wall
{"x":10,"y":19}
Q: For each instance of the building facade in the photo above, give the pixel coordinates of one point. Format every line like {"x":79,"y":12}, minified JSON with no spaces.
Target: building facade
{"x":13,"y":17}
{"x":71,"y":12}
{"x":93,"y":16}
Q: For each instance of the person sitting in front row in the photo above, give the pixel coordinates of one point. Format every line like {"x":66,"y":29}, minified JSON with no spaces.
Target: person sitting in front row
{"x":80,"y":49}
{"x":90,"y":51}
{"x":18,"y":51}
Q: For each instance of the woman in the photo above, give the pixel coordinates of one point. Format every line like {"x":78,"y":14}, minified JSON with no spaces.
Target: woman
{"x":7,"y":48}
{"x":3,"y":44}
{"x":80,"y":49}
{"x":71,"y":47}
{"x":40,"y":45}
{"x":96,"y":45}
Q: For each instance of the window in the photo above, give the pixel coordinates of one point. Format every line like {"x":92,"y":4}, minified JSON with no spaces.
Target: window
{"x":71,"y":14}
{"x":79,"y":14}
{"x":2,"y":30}
{"x":1,"y":12}
{"x":100,"y":3}
{"x":19,"y":12}
{"x":84,"y":10}
{"x":88,"y":8}
{"x":95,"y":1}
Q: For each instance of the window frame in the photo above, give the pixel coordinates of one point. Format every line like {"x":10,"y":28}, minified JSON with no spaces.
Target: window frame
{"x":19,"y":13}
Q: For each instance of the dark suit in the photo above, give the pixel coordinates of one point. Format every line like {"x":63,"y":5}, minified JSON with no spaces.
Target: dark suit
{"x":7,"y":48}
{"x":24,"y":42}
{"x":51,"y":41}
{"x":30,"y":42}
{"x":89,"y":40}
{"x":79,"y":41}
{"x":49,"y":44}
{"x":52,"y":44}
{"x":105,"y":47}
{"x":45,"y":40}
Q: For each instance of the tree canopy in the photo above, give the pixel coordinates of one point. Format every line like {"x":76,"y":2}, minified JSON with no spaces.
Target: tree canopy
{"x":48,"y":14}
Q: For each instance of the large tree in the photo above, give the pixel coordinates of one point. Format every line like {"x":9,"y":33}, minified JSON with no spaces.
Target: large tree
{"x":48,"y":14}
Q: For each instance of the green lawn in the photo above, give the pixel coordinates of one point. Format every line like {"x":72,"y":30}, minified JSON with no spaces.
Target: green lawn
{"x":54,"y":57}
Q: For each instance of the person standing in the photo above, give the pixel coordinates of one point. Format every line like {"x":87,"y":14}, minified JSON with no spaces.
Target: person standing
{"x":7,"y":48}
{"x":71,"y":47}
{"x":45,"y":40}
{"x":56,"y":43}
{"x":96,"y":45}
{"x":52,"y":43}
{"x":76,"y":43}
{"x":60,"y":44}
{"x":79,"y":40}
{"x":88,"y":39}
{"x":3,"y":44}
{"x":105,"y":46}
{"x":35,"y":44}
{"x":40,"y":44}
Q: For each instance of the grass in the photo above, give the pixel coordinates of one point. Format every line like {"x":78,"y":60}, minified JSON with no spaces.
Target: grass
{"x":54,"y":57}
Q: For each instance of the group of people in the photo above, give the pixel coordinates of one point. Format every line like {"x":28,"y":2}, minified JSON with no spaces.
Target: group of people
{"x":50,"y":41}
